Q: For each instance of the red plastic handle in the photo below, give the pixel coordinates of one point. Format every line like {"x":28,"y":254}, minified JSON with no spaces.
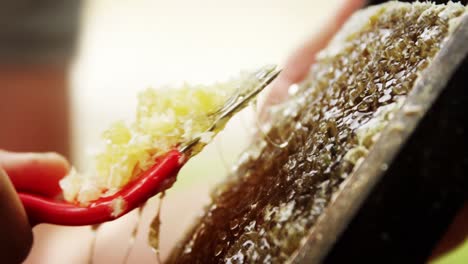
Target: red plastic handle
{"x":156,"y":179}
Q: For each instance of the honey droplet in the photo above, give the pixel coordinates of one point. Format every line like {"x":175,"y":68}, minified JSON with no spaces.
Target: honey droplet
{"x":219,"y":249}
{"x":234,"y":224}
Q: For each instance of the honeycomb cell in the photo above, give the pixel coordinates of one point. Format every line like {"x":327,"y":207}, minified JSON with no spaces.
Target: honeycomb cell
{"x":339,"y":110}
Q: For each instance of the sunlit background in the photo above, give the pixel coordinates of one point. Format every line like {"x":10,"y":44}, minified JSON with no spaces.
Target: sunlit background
{"x":127,"y":46}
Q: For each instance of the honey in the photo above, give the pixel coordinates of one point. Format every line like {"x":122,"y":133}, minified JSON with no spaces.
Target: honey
{"x":261,"y":213}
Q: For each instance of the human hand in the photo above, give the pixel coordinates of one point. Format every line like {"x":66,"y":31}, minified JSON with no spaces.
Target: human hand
{"x":297,"y":66}
{"x":16,"y":169}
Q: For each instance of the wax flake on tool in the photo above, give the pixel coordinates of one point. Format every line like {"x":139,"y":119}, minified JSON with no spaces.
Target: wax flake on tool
{"x":157,"y":178}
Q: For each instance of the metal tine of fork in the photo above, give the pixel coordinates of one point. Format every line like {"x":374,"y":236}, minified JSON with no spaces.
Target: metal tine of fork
{"x":244,"y":99}
{"x":241,"y":91}
{"x":267,"y":75}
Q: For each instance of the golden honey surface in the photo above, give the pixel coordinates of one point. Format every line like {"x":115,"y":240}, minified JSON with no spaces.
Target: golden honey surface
{"x":263,"y":211}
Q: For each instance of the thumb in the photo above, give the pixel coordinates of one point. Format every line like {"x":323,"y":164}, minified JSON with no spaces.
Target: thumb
{"x":16,"y":234}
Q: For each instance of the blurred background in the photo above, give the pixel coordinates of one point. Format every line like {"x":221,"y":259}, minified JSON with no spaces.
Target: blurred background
{"x":123,"y":47}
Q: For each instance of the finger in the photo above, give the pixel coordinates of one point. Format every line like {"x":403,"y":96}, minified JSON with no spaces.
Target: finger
{"x":16,"y":235}
{"x":298,"y":65}
{"x":37,"y":173}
